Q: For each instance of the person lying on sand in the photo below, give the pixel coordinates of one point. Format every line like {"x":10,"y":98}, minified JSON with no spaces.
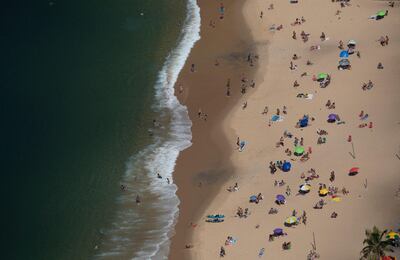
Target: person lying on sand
{"x":380,"y":66}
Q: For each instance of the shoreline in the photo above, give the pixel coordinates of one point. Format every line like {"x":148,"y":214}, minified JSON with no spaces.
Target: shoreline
{"x":193,"y":166}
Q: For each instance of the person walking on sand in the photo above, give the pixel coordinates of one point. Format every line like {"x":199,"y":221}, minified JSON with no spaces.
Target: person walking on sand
{"x":192,"y":67}
{"x":294,"y":35}
{"x":265,"y":110}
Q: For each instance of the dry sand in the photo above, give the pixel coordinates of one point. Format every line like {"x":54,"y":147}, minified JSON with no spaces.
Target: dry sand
{"x":375,"y":148}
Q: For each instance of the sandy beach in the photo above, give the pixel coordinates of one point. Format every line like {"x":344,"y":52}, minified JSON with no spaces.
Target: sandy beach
{"x":246,"y":45}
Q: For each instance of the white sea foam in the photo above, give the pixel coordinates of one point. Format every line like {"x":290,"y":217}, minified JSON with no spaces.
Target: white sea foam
{"x":158,"y":157}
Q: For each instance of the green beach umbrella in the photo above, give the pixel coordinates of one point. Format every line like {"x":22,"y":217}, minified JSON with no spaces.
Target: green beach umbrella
{"x":298,"y":150}
{"x":381,"y":13}
{"x":322,"y":75}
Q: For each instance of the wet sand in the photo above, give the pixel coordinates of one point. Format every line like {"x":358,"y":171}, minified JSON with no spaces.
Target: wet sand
{"x":204,"y":167}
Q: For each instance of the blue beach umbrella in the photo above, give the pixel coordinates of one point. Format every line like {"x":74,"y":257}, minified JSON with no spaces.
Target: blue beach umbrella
{"x":286,"y":166}
{"x":344,"y":54}
{"x":280,"y":198}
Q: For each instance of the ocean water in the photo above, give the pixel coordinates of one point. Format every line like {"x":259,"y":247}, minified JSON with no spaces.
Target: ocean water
{"x":81,"y":83}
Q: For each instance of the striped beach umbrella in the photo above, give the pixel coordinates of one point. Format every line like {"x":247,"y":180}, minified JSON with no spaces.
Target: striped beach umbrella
{"x":393,"y":235}
{"x":305,"y":188}
{"x":291,"y":221}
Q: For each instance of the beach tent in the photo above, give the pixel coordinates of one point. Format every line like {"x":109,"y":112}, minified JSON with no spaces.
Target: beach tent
{"x":291,"y":221}
{"x":332,"y":118}
{"x":278,"y":232}
{"x":322,"y":76}
{"x":354,"y":171}
{"x":305,"y":188}
{"x":280,"y":199}
{"x":298,"y":150}
{"x":303,"y":122}
{"x":323,"y":192}
{"x":286,"y":166}
{"x":344,"y":54}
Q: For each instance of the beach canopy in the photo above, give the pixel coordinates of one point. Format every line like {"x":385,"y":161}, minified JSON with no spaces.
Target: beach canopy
{"x":344,"y":54}
{"x":280,"y":198}
{"x":278,"y":231}
{"x":393,"y":235}
{"x":322,"y":76}
{"x":298,"y":150}
{"x":305,"y":188}
{"x":352,"y":42}
{"x":286,"y":166}
{"x":291,"y":220}
{"x":323,"y":192}
{"x":344,"y":62}
{"x":354,"y":171}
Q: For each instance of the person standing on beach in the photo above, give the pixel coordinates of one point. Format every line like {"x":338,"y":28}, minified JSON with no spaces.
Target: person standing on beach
{"x":192,"y":67}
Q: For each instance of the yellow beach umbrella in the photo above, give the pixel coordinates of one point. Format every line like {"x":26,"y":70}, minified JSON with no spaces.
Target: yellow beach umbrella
{"x":336,"y":199}
{"x":323,"y":192}
{"x":291,"y":220}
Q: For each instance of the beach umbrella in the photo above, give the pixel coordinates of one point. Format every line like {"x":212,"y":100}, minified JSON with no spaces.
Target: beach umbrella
{"x":381,"y":13}
{"x":303,"y":122}
{"x":286,"y":166}
{"x":332,"y":118}
{"x":393,"y":235}
{"x":354,"y":171}
{"x":278,"y":231}
{"x":344,"y":54}
{"x":253,"y":198}
{"x":344,"y":62}
{"x":323,"y":192}
{"x":322,"y":76}
{"x":298,"y":150}
{"x":305,"y":188}
{"x":280,"y":197}
{"x":352,"y":42}
{"x":291,"y":220}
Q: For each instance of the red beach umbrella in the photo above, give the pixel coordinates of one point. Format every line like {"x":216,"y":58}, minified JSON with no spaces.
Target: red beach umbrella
{"x":354,"y":171}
